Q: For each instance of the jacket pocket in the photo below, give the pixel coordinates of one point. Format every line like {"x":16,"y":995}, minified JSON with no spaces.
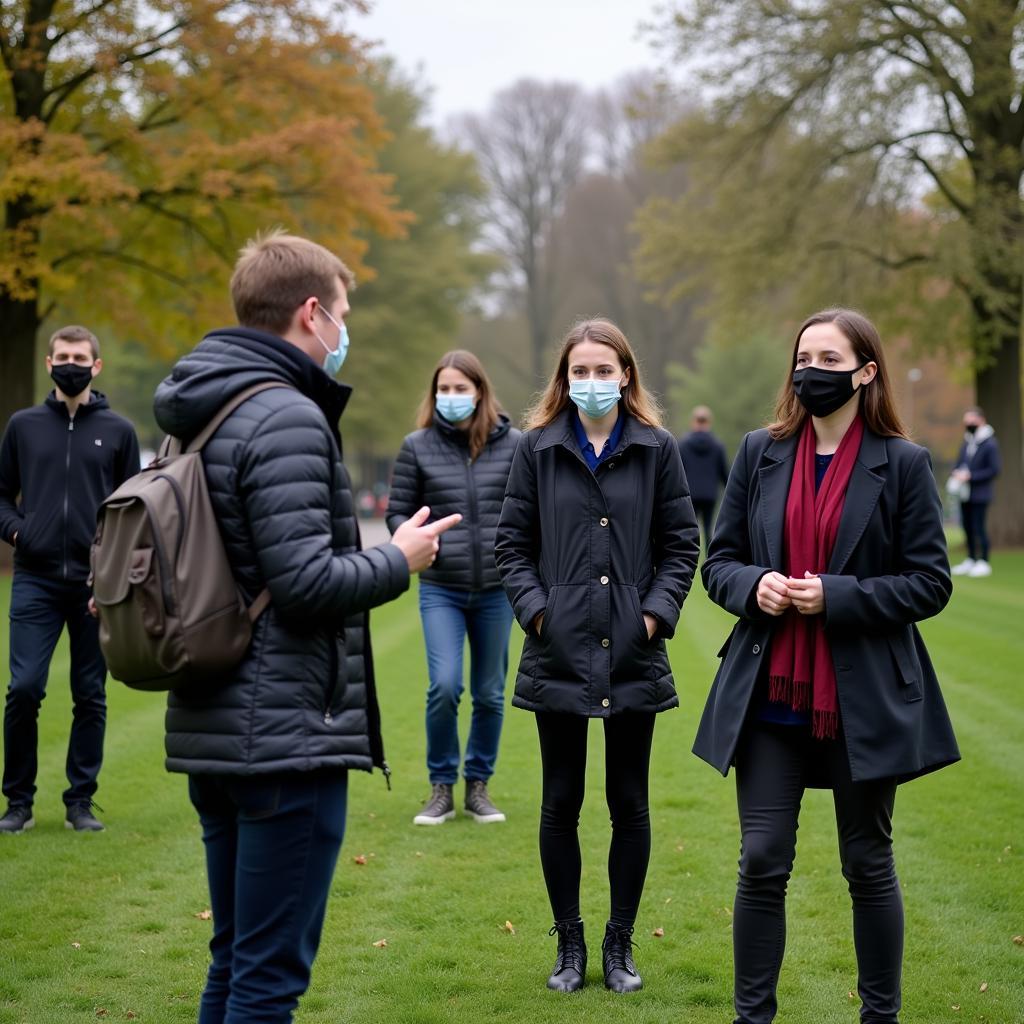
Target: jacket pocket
{"x":907,"y":667}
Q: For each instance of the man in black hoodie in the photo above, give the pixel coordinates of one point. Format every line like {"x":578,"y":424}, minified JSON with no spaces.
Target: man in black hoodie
{"x":706,"y":466}
{"x":268,"y":749}
{"x":63,"y":458}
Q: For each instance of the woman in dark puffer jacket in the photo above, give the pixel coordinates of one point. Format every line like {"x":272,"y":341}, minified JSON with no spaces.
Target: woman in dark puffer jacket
{"x":459,"y":460}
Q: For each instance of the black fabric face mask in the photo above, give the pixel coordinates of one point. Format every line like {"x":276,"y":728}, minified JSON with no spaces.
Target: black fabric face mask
{"x":971,"y":428}
{"x":71,"y":378}
{"x":822,"y":392}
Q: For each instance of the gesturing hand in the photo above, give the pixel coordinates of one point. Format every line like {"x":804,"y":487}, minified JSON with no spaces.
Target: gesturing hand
{"x":418,"y":542}
{"x":807,"y":595}
{"x":773,"y":593}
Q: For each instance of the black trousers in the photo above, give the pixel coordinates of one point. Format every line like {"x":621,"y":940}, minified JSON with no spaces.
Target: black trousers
{"x":563,"y":750}
{"x":773,"y":766}
{"x":972,"y":516}
{"x":705,"y":512}
{"x":40,"y":609}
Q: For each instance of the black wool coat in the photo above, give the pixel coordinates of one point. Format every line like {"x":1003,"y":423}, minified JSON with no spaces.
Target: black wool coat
{"x":888,"y":571}
{"x":434,"y":468}
{"x":304,"y":695}
{"x":594,"y":551}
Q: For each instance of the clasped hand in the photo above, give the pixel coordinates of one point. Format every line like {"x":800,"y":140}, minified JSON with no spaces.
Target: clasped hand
{"x":776,"y":593}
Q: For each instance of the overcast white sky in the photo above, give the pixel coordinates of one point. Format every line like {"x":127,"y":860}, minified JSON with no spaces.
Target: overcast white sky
{"x":469,"y":49}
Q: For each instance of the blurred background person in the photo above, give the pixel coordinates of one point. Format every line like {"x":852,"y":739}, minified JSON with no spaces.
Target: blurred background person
{"x":977,"y":467}
{"x":459,"y":461}
{"x":706,"y":466}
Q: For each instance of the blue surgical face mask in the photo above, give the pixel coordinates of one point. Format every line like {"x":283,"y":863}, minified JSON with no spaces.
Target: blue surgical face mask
{"x":455,"y":408}
{"x":335,"y":357}
{"x":596,"y":398}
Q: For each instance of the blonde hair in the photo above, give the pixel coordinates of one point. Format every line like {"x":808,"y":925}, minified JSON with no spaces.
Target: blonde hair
{"x":276,"y":273}
{"x":636,"y":399}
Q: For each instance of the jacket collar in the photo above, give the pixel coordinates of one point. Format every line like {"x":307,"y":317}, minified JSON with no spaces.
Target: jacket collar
{"x":560,"y":431}
{"x":861,"y":497}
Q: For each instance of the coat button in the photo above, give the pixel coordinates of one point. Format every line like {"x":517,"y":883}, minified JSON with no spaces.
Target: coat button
{"x":604,"y":520}
{"x":611,"y":465}
{"x":606,"y":703}
{"x":605,"y":642}
{"x":604,"y":581}
{"x":756,"y":649}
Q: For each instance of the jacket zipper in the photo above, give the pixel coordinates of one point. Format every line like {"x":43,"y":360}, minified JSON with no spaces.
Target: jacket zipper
{"x":332,"y":686}
{"x":67,"y":474}
{"x":474,"y":526}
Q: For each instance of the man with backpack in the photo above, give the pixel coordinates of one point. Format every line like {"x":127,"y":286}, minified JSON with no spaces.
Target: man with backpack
{"x":62,"y":457}
{"x":267,"y":746}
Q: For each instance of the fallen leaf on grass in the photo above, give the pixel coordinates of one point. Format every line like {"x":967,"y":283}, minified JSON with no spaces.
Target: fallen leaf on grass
{"x":419,"y":853}
{"x":130,"y":1014}
{"x":658,"y":933}
{"x":101,"y":1012}
{"x":381,"y":944}
{"x":850,"y":996}
{"x":668,"y":901}
{"x":76,"y":945}
{"x":1018,"y":940}
{"x":204,"y":915}
{"x":360,"y":858}
{"x":509,"y":928}
{"x":984,"y":987}
{"x":955,"y":1006}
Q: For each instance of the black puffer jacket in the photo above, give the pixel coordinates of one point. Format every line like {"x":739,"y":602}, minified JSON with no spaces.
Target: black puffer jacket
{"x":304,"y":696}
{"x":595,"y":551}
{"x":434,"y":468}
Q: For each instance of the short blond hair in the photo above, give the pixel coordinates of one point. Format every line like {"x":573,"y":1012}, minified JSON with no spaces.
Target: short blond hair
{"x":276,"y":273}
{"x":75,"y":333}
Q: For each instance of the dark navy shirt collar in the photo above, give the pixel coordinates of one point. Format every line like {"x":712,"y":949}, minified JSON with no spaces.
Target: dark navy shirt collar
{"x":594,"y":460}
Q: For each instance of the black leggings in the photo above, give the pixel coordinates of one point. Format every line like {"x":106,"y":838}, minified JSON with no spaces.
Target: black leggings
{"x":772,"y":766}
{"x":563,"y":750}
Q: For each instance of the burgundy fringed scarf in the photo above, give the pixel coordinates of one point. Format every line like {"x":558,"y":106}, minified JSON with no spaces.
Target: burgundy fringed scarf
{"x":801,"y":671}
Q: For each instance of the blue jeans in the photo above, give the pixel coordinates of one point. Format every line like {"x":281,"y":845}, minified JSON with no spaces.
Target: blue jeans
{"x":40,"y":609}
{"x":450,"y":615}
{"x":272,"y":843}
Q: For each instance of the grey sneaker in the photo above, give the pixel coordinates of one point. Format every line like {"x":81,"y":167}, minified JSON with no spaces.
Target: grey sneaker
{"x":18,"y":819}
{"x":478,"y":803}
{"x":81,"y":819}
{"x":439,"y":808}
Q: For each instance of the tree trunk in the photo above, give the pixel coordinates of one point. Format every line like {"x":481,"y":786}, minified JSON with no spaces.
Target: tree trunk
{"x":20,"y":319}
{"x":999,"y":394}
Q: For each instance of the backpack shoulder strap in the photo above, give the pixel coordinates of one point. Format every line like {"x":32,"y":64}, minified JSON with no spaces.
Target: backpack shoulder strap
{"x":204,"y":435}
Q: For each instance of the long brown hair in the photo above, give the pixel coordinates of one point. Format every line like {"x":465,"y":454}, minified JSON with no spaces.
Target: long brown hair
{"x":636,"y":399}
{"x":488,"y":408}
{"x":876,"y":403}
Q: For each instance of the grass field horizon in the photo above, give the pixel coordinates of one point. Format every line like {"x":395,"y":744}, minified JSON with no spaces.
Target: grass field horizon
{"x":111,"y":926}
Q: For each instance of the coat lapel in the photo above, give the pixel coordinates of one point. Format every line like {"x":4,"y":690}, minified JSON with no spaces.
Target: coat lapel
{"x":774,"y":480}
{"x":861,"y":498}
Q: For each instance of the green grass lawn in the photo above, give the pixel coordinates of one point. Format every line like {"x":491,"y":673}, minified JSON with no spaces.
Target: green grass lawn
{"x":106,"y":926}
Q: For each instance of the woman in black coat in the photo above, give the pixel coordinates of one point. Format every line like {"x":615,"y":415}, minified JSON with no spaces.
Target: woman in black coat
{"x":459,"y":460}
{"x":829,"y":549}
{"x":597,"y":547}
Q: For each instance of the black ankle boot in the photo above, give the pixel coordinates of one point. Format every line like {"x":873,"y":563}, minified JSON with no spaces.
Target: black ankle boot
{"x":571,"y":962}
{"x":620,"y":974}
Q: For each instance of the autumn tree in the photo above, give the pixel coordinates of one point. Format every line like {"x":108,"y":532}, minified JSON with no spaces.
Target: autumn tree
{"x":908,"y":99}
{"x":142,"y":142}
{"x":531,"y":145}
{"x":409,"y":314}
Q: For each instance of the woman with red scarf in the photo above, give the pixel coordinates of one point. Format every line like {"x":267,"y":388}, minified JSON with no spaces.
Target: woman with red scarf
{"x":829,"y":549}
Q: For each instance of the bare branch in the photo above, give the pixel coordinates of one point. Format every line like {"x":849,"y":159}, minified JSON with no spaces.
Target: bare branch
{"x":889,"y":262}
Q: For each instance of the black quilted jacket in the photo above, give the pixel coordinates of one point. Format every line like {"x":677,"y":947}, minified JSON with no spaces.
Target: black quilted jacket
{"x":434,"y":468}
{"x":304,"y":696}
